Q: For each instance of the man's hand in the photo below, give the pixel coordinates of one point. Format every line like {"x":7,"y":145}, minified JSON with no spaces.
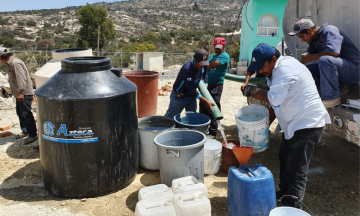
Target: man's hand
{"x":20,"y":97}
{"x":209,"y":105}
{"x":261,"y":95}
{"x":243,"y":87}
{"x":305,"y":58}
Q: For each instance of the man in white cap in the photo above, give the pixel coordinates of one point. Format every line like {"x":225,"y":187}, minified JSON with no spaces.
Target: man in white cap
{"x":338,"y":59}
{"x":300,"y":113}
{"x":21,"y":87}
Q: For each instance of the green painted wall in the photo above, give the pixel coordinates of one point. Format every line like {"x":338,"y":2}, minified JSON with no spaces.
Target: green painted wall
{"x":251,"y":14}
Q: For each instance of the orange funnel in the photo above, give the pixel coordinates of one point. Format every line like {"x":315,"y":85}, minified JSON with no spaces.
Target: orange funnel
{"x":243,"y":153}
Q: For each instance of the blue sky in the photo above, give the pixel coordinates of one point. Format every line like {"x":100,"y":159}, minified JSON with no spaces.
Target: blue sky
{"x":13,"y":5}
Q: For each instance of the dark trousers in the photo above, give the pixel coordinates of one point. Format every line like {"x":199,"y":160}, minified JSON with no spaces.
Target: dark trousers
{"x":295,"y":155}
{"x":23,"y":110}
{"x":215,"y":92}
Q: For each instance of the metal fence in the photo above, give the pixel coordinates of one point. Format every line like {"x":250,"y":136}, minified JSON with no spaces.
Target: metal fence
{"x":34,"y":60}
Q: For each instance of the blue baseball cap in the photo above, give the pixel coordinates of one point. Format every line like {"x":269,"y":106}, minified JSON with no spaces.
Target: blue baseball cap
{"x":259,"y":56}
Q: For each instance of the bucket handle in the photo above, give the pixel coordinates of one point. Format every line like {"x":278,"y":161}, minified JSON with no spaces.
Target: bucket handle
{"x":172,"y":152}
{"x":295,"y":197}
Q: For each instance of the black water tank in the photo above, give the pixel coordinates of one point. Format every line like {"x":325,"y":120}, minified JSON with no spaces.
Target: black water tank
{"x":87,"y":129}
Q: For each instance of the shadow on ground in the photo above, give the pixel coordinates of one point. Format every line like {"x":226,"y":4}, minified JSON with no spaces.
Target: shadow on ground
{"x":20,"y":151}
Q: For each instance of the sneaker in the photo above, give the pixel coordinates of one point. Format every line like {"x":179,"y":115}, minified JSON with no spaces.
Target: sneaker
{"x":331,"y":103}
{"x":20,"y":136}
{"x":30,"y":140}
{"x":209,"y":136}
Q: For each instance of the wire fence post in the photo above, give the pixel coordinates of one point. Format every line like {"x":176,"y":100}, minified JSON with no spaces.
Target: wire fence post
{"x":171,"y":58}
{"x":121,"y":59}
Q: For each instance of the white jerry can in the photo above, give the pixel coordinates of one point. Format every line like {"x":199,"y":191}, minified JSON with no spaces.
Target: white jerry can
{"x":155,"y":191}
{"x":155,"y":207}
{"x":188,"y":184}
{"x":192,"y":204}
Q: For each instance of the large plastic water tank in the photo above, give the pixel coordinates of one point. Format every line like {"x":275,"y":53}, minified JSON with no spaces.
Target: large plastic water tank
{"x":88,"y":129}
{"x":54,"y":65}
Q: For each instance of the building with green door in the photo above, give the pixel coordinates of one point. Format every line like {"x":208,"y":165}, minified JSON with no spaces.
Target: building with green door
{"x":261,"y":23}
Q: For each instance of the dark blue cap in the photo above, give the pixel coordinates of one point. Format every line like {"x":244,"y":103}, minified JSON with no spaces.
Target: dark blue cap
{"x":259,"y":56}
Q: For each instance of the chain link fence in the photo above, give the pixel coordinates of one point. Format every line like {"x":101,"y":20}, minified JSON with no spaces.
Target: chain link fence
{"x":34,"y":60}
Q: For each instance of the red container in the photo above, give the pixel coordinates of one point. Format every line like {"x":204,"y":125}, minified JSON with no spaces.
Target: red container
{"x":229,"y":158}
{"x":147,"y":94}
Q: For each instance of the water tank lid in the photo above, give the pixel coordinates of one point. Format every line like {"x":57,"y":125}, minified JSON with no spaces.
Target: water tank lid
{"x":68,"y":50}
{"x":86,"y":64}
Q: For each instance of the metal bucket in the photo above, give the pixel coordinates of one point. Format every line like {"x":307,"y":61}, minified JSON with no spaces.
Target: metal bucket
{"x":181,"y":153}
{"x":193,"y":120}
{"x":149,"y":128}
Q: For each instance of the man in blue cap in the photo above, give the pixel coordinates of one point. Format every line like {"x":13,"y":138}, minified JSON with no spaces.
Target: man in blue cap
{"x":300,"y":112}
{"x":338,"y":59}
{"x":184,"y":91}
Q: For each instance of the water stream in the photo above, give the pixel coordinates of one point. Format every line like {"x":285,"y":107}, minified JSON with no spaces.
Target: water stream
{"x":222,"y":133}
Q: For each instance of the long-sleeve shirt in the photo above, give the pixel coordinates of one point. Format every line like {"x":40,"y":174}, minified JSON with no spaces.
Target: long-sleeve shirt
{"x":19,"y":77}
{"x":294,"y":97}
{"x":188,"y":79}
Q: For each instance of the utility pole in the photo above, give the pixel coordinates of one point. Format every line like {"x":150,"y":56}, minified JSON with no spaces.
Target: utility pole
{"x":98,"y":40}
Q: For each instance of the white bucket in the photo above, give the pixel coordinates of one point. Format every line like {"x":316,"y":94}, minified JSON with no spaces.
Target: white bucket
{"x":212,"y":156}
{"x":252,"y":122}
{"x":287,"y":211}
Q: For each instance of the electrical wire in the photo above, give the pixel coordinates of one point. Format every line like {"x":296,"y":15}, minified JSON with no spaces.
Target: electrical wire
{"x":246,"y":16}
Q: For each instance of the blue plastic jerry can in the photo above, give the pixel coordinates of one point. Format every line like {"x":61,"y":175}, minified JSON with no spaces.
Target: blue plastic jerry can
{"x":251,"y":191}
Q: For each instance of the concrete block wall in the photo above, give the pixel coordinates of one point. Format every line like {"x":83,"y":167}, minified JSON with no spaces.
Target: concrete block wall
{"x":153,"y":61}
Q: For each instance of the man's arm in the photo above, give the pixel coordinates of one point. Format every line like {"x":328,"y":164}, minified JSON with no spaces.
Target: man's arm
{"x":207,"y":103}
{"x":213,"y":64}
{"x":305,"y":58}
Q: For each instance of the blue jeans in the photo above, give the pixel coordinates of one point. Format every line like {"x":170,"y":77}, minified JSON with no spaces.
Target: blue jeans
{"x":331,"y":73}
{"x":178,"y":104}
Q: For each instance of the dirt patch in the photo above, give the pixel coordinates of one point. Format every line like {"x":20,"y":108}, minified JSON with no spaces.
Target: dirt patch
{"x":332,"y":189}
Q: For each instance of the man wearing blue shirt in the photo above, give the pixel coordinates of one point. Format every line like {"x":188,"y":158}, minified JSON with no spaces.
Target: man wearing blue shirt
{"x":218,"y":66}
{"x":339,"y":59}
{"x":301,"y":115}
{"x":184,"y":91}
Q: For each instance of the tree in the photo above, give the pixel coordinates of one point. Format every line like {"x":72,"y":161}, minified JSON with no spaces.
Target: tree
{"x":94,"y":24}
{"x":44,"y":44}
{"x":31,"y":23}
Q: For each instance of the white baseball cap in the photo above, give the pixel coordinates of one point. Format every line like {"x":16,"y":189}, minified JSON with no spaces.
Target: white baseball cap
{"x":4,"y":50}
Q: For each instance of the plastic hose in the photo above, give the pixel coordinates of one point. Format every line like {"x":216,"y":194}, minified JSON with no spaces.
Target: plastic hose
{"x":254,"y":80}
{"x":205,"y":93}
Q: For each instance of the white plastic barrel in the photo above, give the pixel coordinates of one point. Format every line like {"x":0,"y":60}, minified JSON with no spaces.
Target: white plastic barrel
{"x":212,"y":156}
{"x":54,"y":65}
{"x":252,"y":122}
{"x":192,"y":204}
{"x":188,"y":184}
{"x":155,"y":191}
{"x":155,"y":207}
{"x":287,"y":211}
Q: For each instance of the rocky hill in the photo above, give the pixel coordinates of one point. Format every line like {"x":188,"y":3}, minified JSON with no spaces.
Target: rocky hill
{"x":130,"y":19}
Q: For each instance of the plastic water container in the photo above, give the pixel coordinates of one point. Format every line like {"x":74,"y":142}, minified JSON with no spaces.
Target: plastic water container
{"x":155,"y":207}
{"x":192,"y":204}
{"x":181,"y":154}
{"x":155,"y":191}
{"x":212,"y":156}
{"x":194,"y":121}
{"x":149,"y":127}
{"x":286,"y":211}
{"x":188,"y":184}
{"x":251,"y":191}
{"x":252,"y":122}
